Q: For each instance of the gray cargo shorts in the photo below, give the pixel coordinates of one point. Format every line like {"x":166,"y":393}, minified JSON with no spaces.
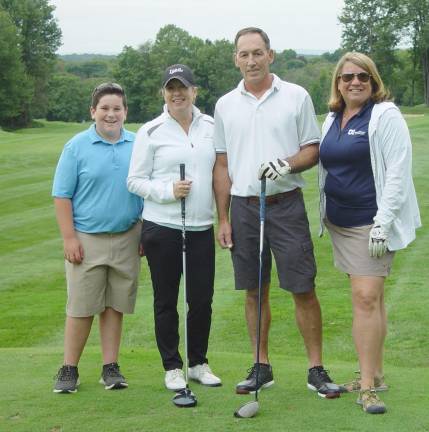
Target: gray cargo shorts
{"x":286,"y":236}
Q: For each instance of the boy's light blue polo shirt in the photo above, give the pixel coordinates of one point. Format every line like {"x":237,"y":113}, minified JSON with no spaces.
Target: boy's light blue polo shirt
{"x":93,"y":174}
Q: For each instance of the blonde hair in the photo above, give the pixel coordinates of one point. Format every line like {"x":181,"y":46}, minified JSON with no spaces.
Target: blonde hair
{"x":379,"y":93}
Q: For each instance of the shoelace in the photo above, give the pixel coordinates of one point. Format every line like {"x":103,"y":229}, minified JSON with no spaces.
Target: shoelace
{"x":176,"y":373}
{"x":378,"y":381}
{"x":65,"y":374}
{"x":113,"y":370}
{"x":372,"y":397}
{"x":323,"y":374}
{"x":355,"y":384}
{"x":205,"y":368}
{"x":252,"y":371}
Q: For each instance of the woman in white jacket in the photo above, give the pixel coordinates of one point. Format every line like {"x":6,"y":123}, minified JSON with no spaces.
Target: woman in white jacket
{"x":180,"y":135}
{"x":368,"y":203}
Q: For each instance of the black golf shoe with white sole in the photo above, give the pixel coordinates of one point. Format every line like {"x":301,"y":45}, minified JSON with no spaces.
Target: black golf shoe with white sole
{"x":265,"y":379}
{"x":67,"y":379}
{"x":112,"y":378}
{"x":320,"y":382}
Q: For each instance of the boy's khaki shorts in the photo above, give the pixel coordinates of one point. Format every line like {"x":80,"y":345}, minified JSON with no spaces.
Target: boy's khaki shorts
{"x":107,"y":276}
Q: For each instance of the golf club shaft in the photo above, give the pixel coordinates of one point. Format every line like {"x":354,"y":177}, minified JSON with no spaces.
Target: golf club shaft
{"x":185,"y":302}
{"x":261,"y":249}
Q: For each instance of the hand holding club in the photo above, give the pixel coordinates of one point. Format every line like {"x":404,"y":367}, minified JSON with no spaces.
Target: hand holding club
{"x":182,"y":188}
{"x":274,"y":170}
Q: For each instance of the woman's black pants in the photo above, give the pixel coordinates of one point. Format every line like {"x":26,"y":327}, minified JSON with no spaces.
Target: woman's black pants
{"x":163,"y":249}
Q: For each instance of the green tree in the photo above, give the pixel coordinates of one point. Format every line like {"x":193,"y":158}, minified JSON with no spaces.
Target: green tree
{"x":140,"y":71}
{"x":373,"y":27}
{"x":315,"y":77}
{"x":69,"y":98}
{"x":14,"y":86}
{"x":141,"y":79}
{"x":215,"y":72}
{"x":417,"y":20}
{"x":40,"y":38}
{"x":334,"y":56}
{"x":407,"y":81}
{"x":90,"y":69}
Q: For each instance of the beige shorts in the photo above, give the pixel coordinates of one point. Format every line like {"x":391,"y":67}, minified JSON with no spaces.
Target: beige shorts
{"x":107,"y":276}
{"x":351,"y":254}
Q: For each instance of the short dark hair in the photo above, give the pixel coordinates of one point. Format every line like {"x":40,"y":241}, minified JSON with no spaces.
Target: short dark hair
{"x":105,"y":89}
{"x":257,"y":30}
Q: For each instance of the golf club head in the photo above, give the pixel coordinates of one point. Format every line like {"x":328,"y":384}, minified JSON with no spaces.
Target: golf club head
{"x":330,"y":391}
{"x":185,"y":399}
{"x":248,"y":410}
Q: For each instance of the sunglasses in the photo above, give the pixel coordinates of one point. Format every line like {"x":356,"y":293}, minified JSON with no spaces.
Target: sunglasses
{"x":361,"y":76}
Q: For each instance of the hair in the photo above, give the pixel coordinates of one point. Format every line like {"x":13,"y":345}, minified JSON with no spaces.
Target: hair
{"x":107,"y":89}
{"x":379,"y":93}
{"x":257,"y":30}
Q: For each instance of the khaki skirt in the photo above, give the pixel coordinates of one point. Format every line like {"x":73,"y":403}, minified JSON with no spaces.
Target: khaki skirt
{"x":350,"y":246}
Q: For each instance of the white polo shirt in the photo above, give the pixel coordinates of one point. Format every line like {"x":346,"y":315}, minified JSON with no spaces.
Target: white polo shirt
{"x":161,"y":145}
{"x":252,"y":131}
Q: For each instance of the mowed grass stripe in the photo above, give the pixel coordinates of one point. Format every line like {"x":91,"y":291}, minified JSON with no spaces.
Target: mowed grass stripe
{"x":406,"y":301}
{"x":30,"y":265}
{"x":18,"y":219}
{"x":25,"y":192}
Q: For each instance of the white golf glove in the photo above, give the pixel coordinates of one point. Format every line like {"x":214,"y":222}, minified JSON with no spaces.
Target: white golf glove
{"x":274,"y":170}
{"x":377,"y":241}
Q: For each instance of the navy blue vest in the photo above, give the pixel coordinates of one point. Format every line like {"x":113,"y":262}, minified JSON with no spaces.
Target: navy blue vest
{"x":349,"y":186}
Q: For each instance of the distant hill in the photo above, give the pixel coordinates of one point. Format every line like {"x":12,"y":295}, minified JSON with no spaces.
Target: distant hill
{"x":86,"y":57}
{"x":310,"y":52}
{"x":90,"y":57}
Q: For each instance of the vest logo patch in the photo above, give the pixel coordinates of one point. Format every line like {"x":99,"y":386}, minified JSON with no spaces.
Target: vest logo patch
{"x":355,"y":132}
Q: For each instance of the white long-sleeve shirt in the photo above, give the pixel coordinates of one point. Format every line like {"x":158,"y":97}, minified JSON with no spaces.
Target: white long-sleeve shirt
{"x":161,"y":145}
{"x":390,"y":151}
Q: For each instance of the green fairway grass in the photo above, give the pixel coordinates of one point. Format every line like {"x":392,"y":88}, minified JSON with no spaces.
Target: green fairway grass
{"x":32,"y":301}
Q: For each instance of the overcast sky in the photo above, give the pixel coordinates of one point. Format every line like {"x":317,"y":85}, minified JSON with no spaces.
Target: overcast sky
{"x":106,"y":26}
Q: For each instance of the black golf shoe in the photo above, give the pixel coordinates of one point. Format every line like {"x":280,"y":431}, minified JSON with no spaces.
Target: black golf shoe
{"x":265,"y":379}
{"x":67,"y":379}
{"x":320,"y":382}
{"x":112,"y":378}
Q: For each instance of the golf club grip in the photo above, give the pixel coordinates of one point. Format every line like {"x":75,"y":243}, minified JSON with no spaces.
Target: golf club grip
{"x":182,"y":177}
{"x":262,"y":199}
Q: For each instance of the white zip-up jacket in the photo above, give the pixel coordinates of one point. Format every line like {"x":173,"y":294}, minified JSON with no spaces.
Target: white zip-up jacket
{"x":161,"y":145}
{"x":390,"y":152}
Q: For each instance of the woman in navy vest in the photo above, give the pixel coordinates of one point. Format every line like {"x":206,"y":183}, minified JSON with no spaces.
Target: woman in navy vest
{"x":368,"y":204}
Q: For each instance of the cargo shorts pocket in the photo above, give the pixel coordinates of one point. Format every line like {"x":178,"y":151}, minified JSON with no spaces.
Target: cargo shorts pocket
{"x":306,"y":263}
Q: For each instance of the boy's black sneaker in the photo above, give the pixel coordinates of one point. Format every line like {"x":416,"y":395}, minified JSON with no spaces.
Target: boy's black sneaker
{"x":265,"y":379}
{"x":67,"y":379}
{"x":112,"y":378}
{"x":319,"y":381}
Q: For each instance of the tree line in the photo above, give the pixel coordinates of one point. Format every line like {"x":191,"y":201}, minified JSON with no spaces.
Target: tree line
{"x":36,"y":83}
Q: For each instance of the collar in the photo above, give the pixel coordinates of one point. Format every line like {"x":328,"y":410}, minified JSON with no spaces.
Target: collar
{"x":275,"y":85}
{"x":195,"y":112}
{"x":365,"y":108}
{"x":97,"y":139}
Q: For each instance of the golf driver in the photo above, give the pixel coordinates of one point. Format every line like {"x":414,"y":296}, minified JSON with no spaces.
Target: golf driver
{"x":250,"y":409}
{"x":184,"y":398}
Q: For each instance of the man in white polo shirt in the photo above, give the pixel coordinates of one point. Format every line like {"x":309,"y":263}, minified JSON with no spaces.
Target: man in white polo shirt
{"x":267,"y":127}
